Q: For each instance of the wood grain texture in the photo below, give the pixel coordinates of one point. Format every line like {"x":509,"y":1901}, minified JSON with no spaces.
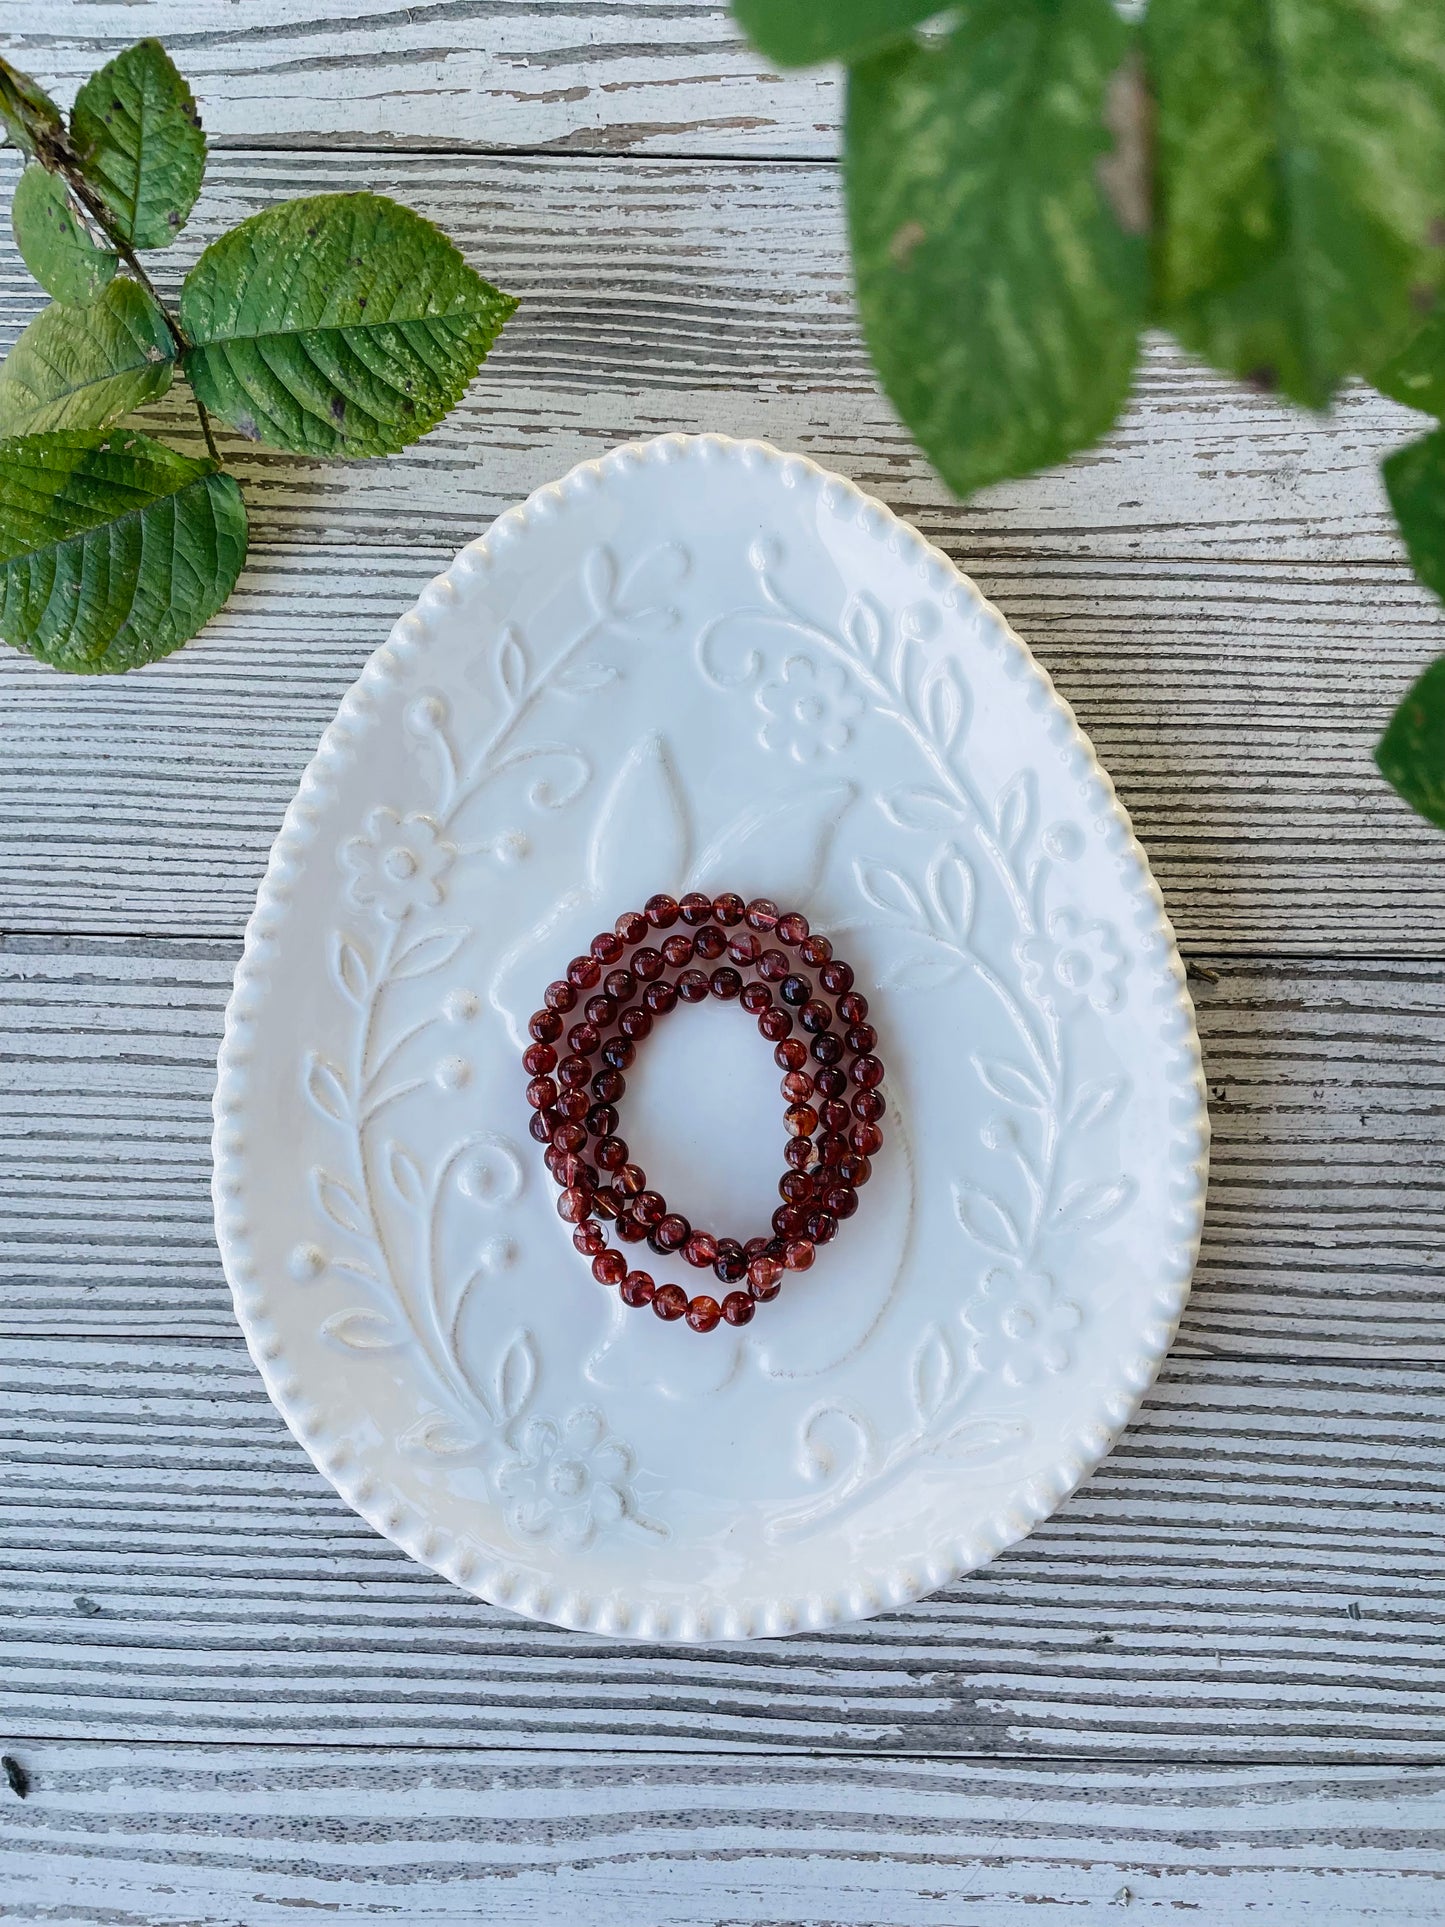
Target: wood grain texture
{"x":1255,"y":1575}
{"x":141,"y":1836}
{"x":1217,"y":590}
{"x":595,"y":76}
{"x":1322,"y":1235}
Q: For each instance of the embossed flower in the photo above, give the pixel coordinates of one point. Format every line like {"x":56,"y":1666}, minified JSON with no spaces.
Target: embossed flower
{"x":808,"y":710}
{"x":1076,"y":960}
{"x":398,"y":864}
{"x":1020,"y":1326}
{"x":566,"y":1482}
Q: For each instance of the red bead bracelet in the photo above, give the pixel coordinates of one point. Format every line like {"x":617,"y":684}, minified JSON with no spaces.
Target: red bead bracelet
{"x":575,"y":1103}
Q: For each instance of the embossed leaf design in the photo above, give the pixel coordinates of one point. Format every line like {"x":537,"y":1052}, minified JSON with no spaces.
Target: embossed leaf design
{"x":349,"y":968}
{"x":641,"y":841}
{"x":431,"y":951}
{"x":599,"y":579}
{"x":1007,"y":1081}
{"x":888,"y":890}
{"x":921,"y":970}
{"x":440,"y":1436}
{"x":361,"y":1330}
{"x":863,"y":627}
{"x":584,"y":678}
{"x":405,"y":1174}
{"x":336,"y":1199}
{"x":833,"y":1440}
{"x":511,"y":662}
{"x":786,"y":867}
{"x":1094,"y":1101}
{"x":1014,"y":809}
{"x":986,"y":1220}
{"x":516,"y":1375}
{"x":914,"y":805}
{"x":326,"y":1087}
{"x":951,"y":892}
{"x":978,"y":1441}
{"x":933,"y":1373}
{"x":943,"y":705}
{"x":1093,"y":1204}
{"x":649,"y":582}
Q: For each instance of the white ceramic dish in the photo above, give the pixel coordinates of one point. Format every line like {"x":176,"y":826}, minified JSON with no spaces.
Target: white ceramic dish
{"x":701,"y":662}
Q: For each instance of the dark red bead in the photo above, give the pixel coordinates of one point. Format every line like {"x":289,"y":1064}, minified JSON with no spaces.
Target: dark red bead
{"x":852,"y":1007}
{"x":800,"y":1153}
{"x":796,"y":1086}
{"x":695,"y":908}
{"x":672,"y":1232}
{"x":693,"y":987}
{"x":829,"y":1081}
{"x":730,"y":1265}
{"x":584,"y":972}
{"x":584,"y":1039}
{"x":670,"y":1302}
{"x":795,"y":990}
{"x":574,"y":1106}
{"x":795,"y":1187}
{"x":800,"y":1120}
{"x":631,"y":926}
{"x":822,"y":1227}
{"x":792,"y":929}
{"x":637,"y":1288}
{"x":574,"y":1204}
{"x":775,"y":1024}
{"x":700,"y":1250}
{"x":743,"y":947}
{"x":853,"y":1169}
{"x":608,"y":947}
{"x":660,"y":998}
{"x":725,"y":983}
{"x":678,"y":950}
{"x":647,"y":964}
{"x":866,"y":1139}
{"x":568,"y":1136}
{"x":542,"y":1093}
{"x":834,"y":1115}
{"x":869,"y":1106}
{"x":815,"y":1015}
{"x":650,"y":1206}
{"x":841,"y":1200}
{"x":601,"y":1010}
{"x":791,"y":1054}
{"x":831,"y":1147}
{"x":611,"y":1153}
{"x":538,"y":1059}
{"x":703,"y":1313}
{"x":815,"y":950}
{"x":765,"y":1278}
{"x":606,"y":1204}
{"x":867,"y":1072}
{"x":738,"y":1308}
{"x":609,"y":1267}
{"x":729,"y":908}
{"x":754,"y":1248}
{"x":836,"y":976}
{"x":861,"y":1038}
{"x":756,"y":997}
{"x":634,"y":1022}
{"x":762,"y":914}
{"x":574,"y":1071}
{"x":630,"y":1180}
{"x":630,"y":1228}
{"x":560,"y":995}
{"x":542,"y":1125}
{"x":799,"y":1254}
{"x":619,"y":1052}
{"x":773,"y":966}
{"x":709,"y":943}
{"x":601,"y":1120}
{"x":545,"y":1026}
{"x":620,"y":985}
{"x":828,"y":1047}
{"x":608,"y":1085}
{"x":662,"y":911}
{"x":789,"y":1220}
{"x":589,"y":1238}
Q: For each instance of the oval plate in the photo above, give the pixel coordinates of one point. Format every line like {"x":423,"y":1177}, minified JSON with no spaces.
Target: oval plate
{"x":700,"y":663}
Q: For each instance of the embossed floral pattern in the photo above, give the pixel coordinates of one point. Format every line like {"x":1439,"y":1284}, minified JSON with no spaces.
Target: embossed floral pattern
{"x":809,"y":709}
{"x":1019,"y":1325}
{"x":399,"y":864}
{"x":1076,"y":960}
{"x":567,"y":1481}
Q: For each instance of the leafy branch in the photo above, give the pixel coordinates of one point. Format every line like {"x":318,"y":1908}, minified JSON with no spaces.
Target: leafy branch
{"x":1032,"y":182}
{"x":336,"y":325}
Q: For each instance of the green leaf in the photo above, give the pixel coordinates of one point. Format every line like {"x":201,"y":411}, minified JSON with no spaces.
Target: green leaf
{"x":1411,"y":753}
{"x":30,"y":118}
{"x":1000,"y":295}
{"x":1416,"y":375}
{"x":1415,"y":483}
{"x":115,"y":553}
{"x":84,"y":368}
{"x":797,"y":33}
{"x":53,"y":241}
{"x":138,"y":137}
{"x":1301,"y":160}
{"x":343,"y":324}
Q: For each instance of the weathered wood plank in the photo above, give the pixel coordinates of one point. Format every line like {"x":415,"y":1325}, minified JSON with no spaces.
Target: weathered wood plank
{"x":600,"y":76}
{"x":1322,"y":1236}
{"x":1255,"y":1575}
{"x":144,"y":1835}
{"x":1217,"y":589}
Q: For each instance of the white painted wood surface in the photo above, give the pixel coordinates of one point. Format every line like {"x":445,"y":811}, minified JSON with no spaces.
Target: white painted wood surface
{"x":1213,"y":1684}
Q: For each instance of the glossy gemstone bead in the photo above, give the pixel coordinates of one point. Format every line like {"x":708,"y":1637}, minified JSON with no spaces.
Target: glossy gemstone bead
{"x":866,"y":1072}
{"x":853,"y":1169}
{"x":637,"y":1288}
{"x":560,"y":995}
{"x":775,"y":1024}
{"x":738,"y":1308}
{"x":792,"y":929}
{"x":866,"y":1138}
{"x":829,"y":1081}
{"x":729,"y":908}
{"x":815,"y":950}
{"x":584,"y":972}
{"x":634,"y":1022}
{"x":650,"y":1206}
{"x":693,"y":986}
{"x":568,"y":1136}
{"x":608,"y":947}
{"x":574,"y":1204}
{"x":860,"y":1038}
{"x":584,"y":1039}
{"x":631,"y":926}
{"x":773,"y":966}
{"x":828,"y":1047}
{"x":661,"y":911}
{"x":630,"y":1180}
{"x":709,"y":943}
{"x":672,"y":1232}
{"x":619,"y":1052}
{"x":743,"y":947}
{"x":630,"y":1228}
{"x":670,"y":1302}
{"x":789,"y":1220}
{"x":542,"y":1093}
{"x":695,"y":908}
{"x":797,"y":1085}
{"x":834,"y":1115}
{"x":725,"y":983}
{"x":545,"y":1026}
{"x":600,"y":1010}
{"x":791,"y":1054}
{"x":610,"y":1153}
{"x":678,"y":950}
{"x":590,"y":1238}
{"x":795,"y":1187}
{"x":836,"y":976}
{"x":762,"y":914}
{"x":765,"y":1278}
{"x":703,"y":1313}
{"x":606,"y":1204}
{"x":852,"y":1007}
{"x":574,"y":1071}
{"x":795,"y":990}
{"x":800,"y":1153}
{"x":700,"y":1250}
{"x":799,"y":1254}
{"x":730,"y":1265}
{"x":542,"y":1125}
{"x":822,"y":1227}
{"x":608,"y":1085}
{"x":754,"y":1248}
{"x":647,"y":964}
{"x":831,"y":1146}
{"x":800,"y":1120}
{"x":841,"y":1200}
{"x":755,"y":999}
{"x":815,"y":1015}
{"x":609,"y":1267}
{"x":869,"y":1106}
{"x":621,"y":986}
{"x":660,"y":998}
{"x":573,"y":1105}
{"x":538,"y":1059}
{"x":602,"y":1120}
